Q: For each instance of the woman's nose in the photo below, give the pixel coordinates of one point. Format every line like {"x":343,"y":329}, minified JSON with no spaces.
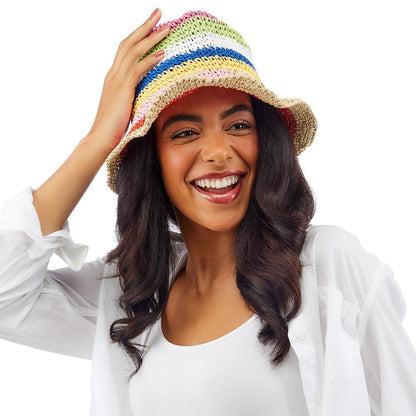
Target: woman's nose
{"x":216,"y":149}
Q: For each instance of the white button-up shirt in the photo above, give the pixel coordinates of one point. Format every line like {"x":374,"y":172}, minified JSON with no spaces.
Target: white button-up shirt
{"x":354,"y":356}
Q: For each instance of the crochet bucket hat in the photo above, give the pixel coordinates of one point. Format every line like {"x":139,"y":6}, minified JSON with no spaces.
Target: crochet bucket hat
{"x":201,"y":50}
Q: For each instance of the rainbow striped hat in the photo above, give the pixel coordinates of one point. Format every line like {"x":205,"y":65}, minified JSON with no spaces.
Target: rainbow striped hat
{"x":201,"y":50}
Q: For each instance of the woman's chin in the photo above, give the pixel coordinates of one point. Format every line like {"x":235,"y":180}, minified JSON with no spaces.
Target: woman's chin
{"x":223,"y":224}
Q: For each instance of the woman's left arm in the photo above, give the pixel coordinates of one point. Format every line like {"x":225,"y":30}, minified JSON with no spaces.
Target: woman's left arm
{"x":389,"y":358}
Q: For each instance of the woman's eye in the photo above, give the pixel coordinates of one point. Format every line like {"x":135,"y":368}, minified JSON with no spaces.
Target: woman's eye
{"x":240,"y":125}
{"x":184,"y":133}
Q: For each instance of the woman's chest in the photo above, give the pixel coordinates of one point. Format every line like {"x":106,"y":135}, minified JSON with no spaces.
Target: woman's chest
{"x":191,"y":320}
{"x":231,"y":375}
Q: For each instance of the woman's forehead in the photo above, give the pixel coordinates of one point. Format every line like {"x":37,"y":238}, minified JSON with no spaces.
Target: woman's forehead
{"x":205,"y":99}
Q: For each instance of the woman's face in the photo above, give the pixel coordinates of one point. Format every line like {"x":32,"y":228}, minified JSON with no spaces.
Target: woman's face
{"x":207,"y":147}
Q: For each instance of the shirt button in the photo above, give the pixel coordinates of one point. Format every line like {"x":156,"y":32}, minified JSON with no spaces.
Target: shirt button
{"x":301,"y":335}
{"x":318,"y":398}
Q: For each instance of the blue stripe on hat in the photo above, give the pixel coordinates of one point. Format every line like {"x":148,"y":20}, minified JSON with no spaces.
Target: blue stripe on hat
{"x":177,"y":60}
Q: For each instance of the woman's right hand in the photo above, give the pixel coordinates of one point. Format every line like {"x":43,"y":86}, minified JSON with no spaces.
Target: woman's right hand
{"x":57,"y":197}
{"x":117,"y":96}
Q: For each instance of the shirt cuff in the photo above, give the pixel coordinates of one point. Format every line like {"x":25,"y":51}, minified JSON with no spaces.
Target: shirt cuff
{"x":19,"y":215}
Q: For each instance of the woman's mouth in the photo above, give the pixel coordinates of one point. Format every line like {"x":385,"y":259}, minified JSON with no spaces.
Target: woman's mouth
{"x":218,"y":186}
{"x":219,"y":190}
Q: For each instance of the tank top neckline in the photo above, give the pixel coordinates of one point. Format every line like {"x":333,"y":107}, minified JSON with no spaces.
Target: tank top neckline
{"x":205,"y":344}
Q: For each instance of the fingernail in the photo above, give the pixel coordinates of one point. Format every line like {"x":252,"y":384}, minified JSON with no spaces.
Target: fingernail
{"x":162,"y":28}
{"x":154,"y":13}
{"x":160,"y":53}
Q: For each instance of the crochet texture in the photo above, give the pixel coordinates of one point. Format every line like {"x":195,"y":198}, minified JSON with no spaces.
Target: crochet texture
{"x":201,"y":50}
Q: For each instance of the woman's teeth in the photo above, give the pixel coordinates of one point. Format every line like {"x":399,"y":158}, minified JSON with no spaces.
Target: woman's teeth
{"x":217,"y":183}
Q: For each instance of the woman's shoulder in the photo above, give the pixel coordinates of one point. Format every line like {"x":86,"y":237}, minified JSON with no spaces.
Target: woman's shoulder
{"x":326,"y":242}
{"x":323,"y":242}
{"x":339,"y":261}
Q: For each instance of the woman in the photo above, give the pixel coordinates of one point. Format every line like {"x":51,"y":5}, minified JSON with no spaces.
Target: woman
{"x":248,"y":309}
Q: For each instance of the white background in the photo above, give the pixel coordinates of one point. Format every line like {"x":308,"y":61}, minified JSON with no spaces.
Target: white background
{"x":353,"y":62}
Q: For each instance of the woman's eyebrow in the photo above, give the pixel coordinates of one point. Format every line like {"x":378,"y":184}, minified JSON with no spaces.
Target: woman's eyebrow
{"x":181,"y":117}
{"x":198,"y":119}
{"x":236,"y":109}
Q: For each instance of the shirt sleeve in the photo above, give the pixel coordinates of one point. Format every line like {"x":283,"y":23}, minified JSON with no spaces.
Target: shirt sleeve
{"x":389,"y":358}
{"x":53,"y":310}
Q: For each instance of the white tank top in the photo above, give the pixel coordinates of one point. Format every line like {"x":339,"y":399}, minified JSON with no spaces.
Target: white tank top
{"x":229,"y":376}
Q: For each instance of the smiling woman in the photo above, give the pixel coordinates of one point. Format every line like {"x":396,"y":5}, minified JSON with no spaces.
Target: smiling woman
{"x":220,"y":146}
{"x":227,"y":229}
{"x":221,"y":297}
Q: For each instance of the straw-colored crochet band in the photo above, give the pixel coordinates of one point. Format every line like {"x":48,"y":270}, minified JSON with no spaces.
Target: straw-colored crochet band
{"x":201,"y":50}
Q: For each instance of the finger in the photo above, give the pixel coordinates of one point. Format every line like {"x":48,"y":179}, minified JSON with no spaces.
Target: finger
{"x":148,"y":63}
{"x":137,"y":52}
{"x":143,"y":30}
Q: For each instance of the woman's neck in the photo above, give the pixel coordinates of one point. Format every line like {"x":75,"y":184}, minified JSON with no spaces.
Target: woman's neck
{"x":211,"y":260}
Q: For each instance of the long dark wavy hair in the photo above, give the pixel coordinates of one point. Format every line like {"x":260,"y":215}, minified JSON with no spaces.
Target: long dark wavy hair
{"x":267,"y":246}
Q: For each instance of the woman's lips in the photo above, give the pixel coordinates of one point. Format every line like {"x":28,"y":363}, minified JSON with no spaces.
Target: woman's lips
{"x":220,"y":195}
{"x":219,"y":175}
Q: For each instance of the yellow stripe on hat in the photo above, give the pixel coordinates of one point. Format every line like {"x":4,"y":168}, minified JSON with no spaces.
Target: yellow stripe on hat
{"x":191,"y":68}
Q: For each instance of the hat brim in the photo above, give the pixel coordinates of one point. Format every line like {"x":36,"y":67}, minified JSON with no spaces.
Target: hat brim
{"x":296,"y":113}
